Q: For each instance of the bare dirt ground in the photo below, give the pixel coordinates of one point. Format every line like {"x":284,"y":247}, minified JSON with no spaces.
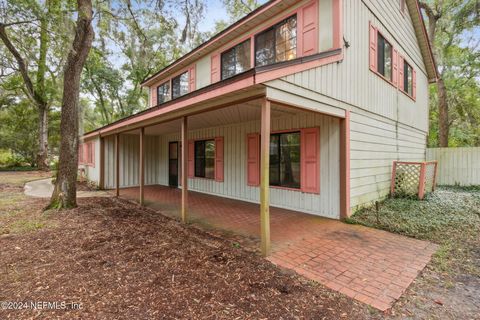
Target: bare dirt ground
{"x":119,"y":261}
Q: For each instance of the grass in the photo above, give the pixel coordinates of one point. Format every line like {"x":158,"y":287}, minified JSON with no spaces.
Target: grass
{"x":449,"y":217}
{"x":18,"y":168}
{"x":18,"y":213}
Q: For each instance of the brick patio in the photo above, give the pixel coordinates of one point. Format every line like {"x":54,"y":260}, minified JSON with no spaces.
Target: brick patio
{"x":372,"y":266}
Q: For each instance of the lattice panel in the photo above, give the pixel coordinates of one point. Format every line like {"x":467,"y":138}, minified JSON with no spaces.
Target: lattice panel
{"x":413,"y":179}
{"x":407,"y":178}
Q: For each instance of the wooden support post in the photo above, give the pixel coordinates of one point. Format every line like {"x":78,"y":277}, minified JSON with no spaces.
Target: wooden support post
{"x":264,"y":178}
{"x":117,"y":165}
{"x":421,"y":182}
{"x":141,"y":176}
{"x":184,"y":178}
{"x":101,"y":169}
{"x":392,"y":182}
{"x":345,"y":166}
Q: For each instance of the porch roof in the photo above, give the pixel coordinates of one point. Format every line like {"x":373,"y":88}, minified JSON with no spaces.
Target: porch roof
{"x":242,"y":87}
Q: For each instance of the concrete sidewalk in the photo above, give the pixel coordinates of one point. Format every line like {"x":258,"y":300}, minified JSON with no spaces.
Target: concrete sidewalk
{"x":44,"y":189}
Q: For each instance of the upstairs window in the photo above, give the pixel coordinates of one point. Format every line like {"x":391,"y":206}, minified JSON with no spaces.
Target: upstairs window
{"x":277,"y":44}
{"x":285,"y":159}
{"x":407,"y":78}
{"x":236,"y":60}
{"x":205,"y":159}
{"x":180,"y":85}
{"x":384,"y":57}
{"x":163,"y":93}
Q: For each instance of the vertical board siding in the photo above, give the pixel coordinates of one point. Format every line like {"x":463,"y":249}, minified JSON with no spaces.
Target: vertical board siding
{"x":129,"y":160}
{"x":456,"y":166}
{"x":375,"y":143}
{"x":235,"y":175}
{"x":352,"y":82}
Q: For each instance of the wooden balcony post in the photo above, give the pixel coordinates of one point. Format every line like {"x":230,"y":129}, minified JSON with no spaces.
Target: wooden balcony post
{"x":141,"y":177}
{"x":117,"y":165}
{"x":264,"y":178}
{"x":184,"y":178}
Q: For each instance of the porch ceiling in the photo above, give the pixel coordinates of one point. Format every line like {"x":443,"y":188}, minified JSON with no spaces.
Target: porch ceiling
{"x":244,"y":112}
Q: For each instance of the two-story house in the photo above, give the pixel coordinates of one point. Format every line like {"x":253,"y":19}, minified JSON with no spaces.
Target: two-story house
{"x":302,"y":105}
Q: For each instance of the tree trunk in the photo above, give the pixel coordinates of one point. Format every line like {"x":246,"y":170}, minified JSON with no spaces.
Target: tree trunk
{"x":65,"y":192}
{"x":443,"y":121}
{"x":42,"y":154}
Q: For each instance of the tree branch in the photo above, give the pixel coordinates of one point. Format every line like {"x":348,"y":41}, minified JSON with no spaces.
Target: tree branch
{"x":22,"y":66}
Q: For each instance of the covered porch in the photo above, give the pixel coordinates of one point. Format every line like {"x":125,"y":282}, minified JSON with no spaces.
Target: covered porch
{"x":296,"y":226}
{"x":163,"y":153}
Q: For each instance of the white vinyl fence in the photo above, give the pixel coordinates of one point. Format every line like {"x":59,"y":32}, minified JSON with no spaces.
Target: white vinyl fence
{"x":456,"y":165}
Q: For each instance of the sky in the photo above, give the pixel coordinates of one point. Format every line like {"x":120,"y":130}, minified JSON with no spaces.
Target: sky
{"x":214,"y":11}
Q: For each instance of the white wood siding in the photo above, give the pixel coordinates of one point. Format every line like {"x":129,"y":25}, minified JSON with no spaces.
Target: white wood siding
{"x":456,"y":166}
{"x":325,"y":31}
{"x":129,"y":160}
{"x":234,"y":186}
{"x":352,"y":82}
{"x":386,"y":124}
{"x":202,"y":70}
{"x":375,"y":143}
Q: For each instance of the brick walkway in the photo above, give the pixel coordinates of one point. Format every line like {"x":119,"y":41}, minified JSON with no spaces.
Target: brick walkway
{"x":372,"y":266}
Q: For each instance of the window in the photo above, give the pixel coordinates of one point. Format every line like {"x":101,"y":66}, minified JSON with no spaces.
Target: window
{"x":163,"y":93}
{"x":407,"y":78}
{"x":236,"y":60}
{"x":205,"y":159}
{"x":279,"y":43}
{"x":384,"y":57}
{"x":180,"y":85}
{"x":285,"y":159}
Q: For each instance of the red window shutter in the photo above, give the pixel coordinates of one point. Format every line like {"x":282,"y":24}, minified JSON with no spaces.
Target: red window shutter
{"x":191,"y":77}
{"x":414,"y":84}
{"x":191,"y":155}
{"x":395,"y":67}
{"x":310,"y":158}
{"x":153,"y":94}
{"x":253,"y":159}
{"x":400,"y":72}
{"x":85,"y":153}
{"x":215,"y":68}
{"x":308,"y":21}
{"x":219,"y":159}
{"x":80,"y":153}
{"x":373,"y":48}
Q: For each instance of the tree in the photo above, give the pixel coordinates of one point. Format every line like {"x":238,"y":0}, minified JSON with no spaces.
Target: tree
{"x":65,"y":192}
{"x":134,"y":42}
{"x":448,"y":23}
{"x":237,"y":9}
{"x":35,"y":88}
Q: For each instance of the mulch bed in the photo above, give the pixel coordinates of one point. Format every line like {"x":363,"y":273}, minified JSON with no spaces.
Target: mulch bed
{"x":121,"y":261}
{"x":84,"y":186}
